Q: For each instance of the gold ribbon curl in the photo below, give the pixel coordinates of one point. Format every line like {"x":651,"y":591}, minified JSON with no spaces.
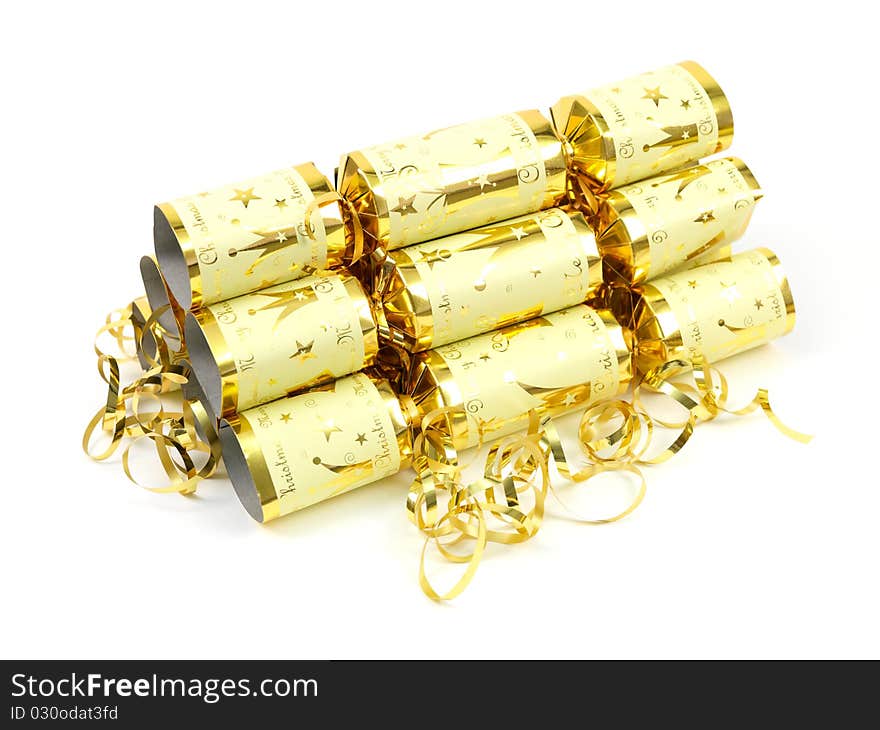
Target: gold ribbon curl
{"x":516,"y":467}
{"x":349,"y":216}
{"x":707,"y":397}
{"x":174,"y":433}
{"x":492,"y":508}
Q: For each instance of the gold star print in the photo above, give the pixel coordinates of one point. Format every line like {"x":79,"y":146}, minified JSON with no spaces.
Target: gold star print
{"x":654,"y":95}
{"x":705,"y":217}
{"x":483,"y":181}
{"x":685,"y":104}
{"x":518,"y":231}
{"x":329,"y":428}
{"x":304,"y":352}
{"x":280,"y":203}
{"x":361,"y":438}
{"x":285,"y":417}
{"x":729,"y":292}
{"x":570,"y":399}
{"x":480,"y":142}
{"x":758,"y":304}
{"x":692,"y":284}
{"x":244,"y":196}
{"x":535,"y":272}
{"x":405,"y":205}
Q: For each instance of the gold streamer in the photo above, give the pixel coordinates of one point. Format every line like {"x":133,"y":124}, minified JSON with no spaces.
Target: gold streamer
{"x":515,"y":466}
{"x":519,"y":464}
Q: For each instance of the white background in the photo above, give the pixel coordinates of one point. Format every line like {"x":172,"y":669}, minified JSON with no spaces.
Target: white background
{"x":747,"y":545}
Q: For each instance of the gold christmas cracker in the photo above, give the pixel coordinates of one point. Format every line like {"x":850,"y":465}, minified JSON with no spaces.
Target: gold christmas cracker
{"x":643,"y":126}
{"x":549,"y":365}
{"x":452,"y":288}
{"x":303,"y":449}
{"x":262,"y":346}
{"x":246,"y":236}
{"x":652,"y":227}
{"x":714,"y":311}
{"x":453,"y":179}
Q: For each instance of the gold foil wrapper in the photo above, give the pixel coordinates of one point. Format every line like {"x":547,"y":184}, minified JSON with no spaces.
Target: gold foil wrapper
{"x":453,"y":179}
{"x":552,"y":364}
{"x":259,"y":347}
{"x":300,"y":450}
{"x":655,"y":226}
{"x":249,"y":235}
{"x":714,"y":311}
{"x":644,"y":126}
{"x":455,"y":287}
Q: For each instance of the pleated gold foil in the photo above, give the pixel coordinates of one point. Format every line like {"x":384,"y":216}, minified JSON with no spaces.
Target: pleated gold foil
{"x":643,"y":126}
{"x":655,"y":226}
{"x":455,"y":287}
{"x":551,"y":364}
{"x":245,"y":236}
{"x":713,"y":311}
{"x":453,"y":179}
{"x":303,"y":449}
{"x":286,"y":338}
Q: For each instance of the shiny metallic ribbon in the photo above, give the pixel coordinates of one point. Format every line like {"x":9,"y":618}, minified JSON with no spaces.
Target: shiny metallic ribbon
{"x":173,"y":432}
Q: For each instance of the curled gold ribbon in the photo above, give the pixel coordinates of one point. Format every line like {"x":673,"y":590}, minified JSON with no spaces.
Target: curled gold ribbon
{"x":174,"y":433}
{"x":513,"y":489}
{"x":615,"y":436}
{"x":350,"y":218}
{"x":115,"y":325}
{"x":622,"y":460}
{"x":707,"y":398}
